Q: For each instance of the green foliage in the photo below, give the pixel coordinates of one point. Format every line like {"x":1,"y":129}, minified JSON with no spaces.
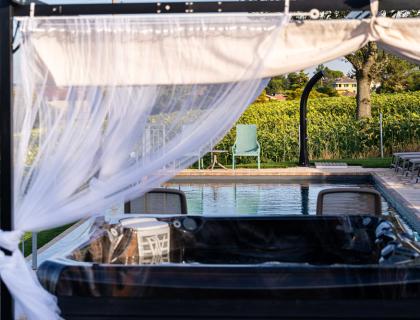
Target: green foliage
{"x":262,"y":97}
{"x":365,"y":163}
{"x":329,"y":74}
{"x":395,"y":74}
{"x":327,"y":90}
{"x":325,"y":85}
{"x":276,"y":85}
{"x":333,"y":130}
{"x":296,"y":94}
{"x":296,"y":80}
{"x":292,"y":85}
{"x":413,"y":80}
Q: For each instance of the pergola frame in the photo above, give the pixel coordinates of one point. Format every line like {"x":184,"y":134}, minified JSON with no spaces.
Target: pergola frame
{"x":208,"y":7}
{"x":10,"y":9}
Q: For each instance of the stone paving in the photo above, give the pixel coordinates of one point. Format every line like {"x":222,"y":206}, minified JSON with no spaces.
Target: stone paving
{"x":404,"y":192}
{"x":293,"y":171}
{"x":404,"y":186}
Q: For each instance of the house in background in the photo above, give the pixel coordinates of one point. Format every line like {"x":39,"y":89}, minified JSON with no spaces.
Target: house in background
{"x":345,"y":86}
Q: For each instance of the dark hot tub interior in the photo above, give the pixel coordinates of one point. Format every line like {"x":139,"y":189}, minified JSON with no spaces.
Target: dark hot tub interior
{"x":326,"y":240}
{"x":239,"y":264}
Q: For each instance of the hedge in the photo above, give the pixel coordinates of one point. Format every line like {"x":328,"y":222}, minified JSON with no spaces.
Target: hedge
{"x":333,"y":130}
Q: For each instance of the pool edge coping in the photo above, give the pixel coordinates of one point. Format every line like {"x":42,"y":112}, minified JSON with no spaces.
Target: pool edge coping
{"x":398,"y":201}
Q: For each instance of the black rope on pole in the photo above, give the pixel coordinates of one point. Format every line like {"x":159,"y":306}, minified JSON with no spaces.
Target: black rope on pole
{"x":16,"y":48}
{"x":303,"y":152}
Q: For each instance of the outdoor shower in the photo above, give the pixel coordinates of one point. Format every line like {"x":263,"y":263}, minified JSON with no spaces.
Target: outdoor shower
{"x":303,"y":132}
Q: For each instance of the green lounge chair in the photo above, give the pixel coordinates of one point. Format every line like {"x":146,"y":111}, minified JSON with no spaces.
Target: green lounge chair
{"x":246,"y":144}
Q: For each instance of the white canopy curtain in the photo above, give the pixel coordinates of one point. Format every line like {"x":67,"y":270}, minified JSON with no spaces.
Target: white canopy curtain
{"x":297,"y":46}
{"x":81,"y":148}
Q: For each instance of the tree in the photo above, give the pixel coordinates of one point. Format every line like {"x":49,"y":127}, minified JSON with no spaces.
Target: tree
{"x":365,"y":66}
{"x":292,"y":82}
{"x":371,"y":64}
{"x":364,"y":61}
{"x":262,"y":97}
{"x":328,"y":90}
{"x":276,"y":85}
{"x":396,"y":75}
{"x":297,"y":80}
{"x":413,"y":81}
{"x":329,"y":74}
{"x":325,"y":85}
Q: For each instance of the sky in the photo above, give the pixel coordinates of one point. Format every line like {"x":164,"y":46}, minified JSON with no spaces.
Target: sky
{"x":338,"y":64}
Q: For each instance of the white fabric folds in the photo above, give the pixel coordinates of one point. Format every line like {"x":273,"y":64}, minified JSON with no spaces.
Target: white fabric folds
{"x":222,"y":48}
{"x":81,"y":148}
{"x":400,"y":37}
{"x":214,"y":50}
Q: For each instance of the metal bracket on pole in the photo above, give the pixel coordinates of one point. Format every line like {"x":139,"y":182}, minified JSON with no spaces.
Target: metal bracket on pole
{"x":313,"y":13}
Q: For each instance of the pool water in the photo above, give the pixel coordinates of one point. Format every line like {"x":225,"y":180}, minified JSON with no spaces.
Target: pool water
{"x":259,"y":198}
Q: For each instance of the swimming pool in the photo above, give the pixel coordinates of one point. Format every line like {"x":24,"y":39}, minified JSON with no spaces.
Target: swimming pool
{"x":255,"y":245}
{"x":280,"y":198}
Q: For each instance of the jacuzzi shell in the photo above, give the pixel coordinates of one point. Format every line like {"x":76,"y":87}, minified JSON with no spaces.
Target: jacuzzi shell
{"x":246,"y":267}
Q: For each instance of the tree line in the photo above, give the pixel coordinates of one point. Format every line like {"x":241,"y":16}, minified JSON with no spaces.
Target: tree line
{"x":374,"y":71}
{"x":372,"y":68}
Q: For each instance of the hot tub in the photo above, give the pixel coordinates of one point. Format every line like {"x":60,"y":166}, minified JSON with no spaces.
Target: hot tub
{"x":237,"y":267}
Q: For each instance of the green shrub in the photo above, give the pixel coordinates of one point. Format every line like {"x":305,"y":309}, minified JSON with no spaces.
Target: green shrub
{"x":332,"y":128}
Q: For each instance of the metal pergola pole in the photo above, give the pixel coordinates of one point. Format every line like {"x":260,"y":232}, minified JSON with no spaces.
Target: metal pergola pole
{"x":6,"y":154}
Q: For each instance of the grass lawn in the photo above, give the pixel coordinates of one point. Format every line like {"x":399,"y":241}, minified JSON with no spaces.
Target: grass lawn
{"x":43,"y":238}
{"x":365,"y":163}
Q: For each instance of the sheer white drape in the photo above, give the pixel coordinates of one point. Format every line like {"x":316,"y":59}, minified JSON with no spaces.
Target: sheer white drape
{"x":297,"y":46}
{"x":400,"y":37}
{"x":222,"y":50}
{"x":79,"y":149}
